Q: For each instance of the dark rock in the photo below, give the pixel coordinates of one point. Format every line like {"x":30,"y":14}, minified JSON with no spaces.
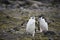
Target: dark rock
{"x":56,"y":1}
{"x":46,"y":1}
{"x":16,"y":28}
{"x":11,"y":31}
{"x":49,"y":33}
{"x":7,"y":17}
{"x":20,"y":0}
{"x":5,"y":2}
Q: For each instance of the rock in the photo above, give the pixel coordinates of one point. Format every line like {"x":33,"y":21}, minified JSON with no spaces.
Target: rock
{"x":45,"y":1}
{"x":49,"y":33}
{"x":34,"y":6}
{"x":5,"y":2}
{"x":11,"y":31}
{"x":16,"y":28}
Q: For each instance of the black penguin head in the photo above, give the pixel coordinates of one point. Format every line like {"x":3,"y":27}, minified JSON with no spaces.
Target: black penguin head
{"x":41,"y":16}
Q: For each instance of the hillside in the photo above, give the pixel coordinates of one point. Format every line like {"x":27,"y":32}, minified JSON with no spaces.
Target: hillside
{"x":14,"y":15}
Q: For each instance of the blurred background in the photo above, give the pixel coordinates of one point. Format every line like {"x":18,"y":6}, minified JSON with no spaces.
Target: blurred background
{"x":14,"y":15}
